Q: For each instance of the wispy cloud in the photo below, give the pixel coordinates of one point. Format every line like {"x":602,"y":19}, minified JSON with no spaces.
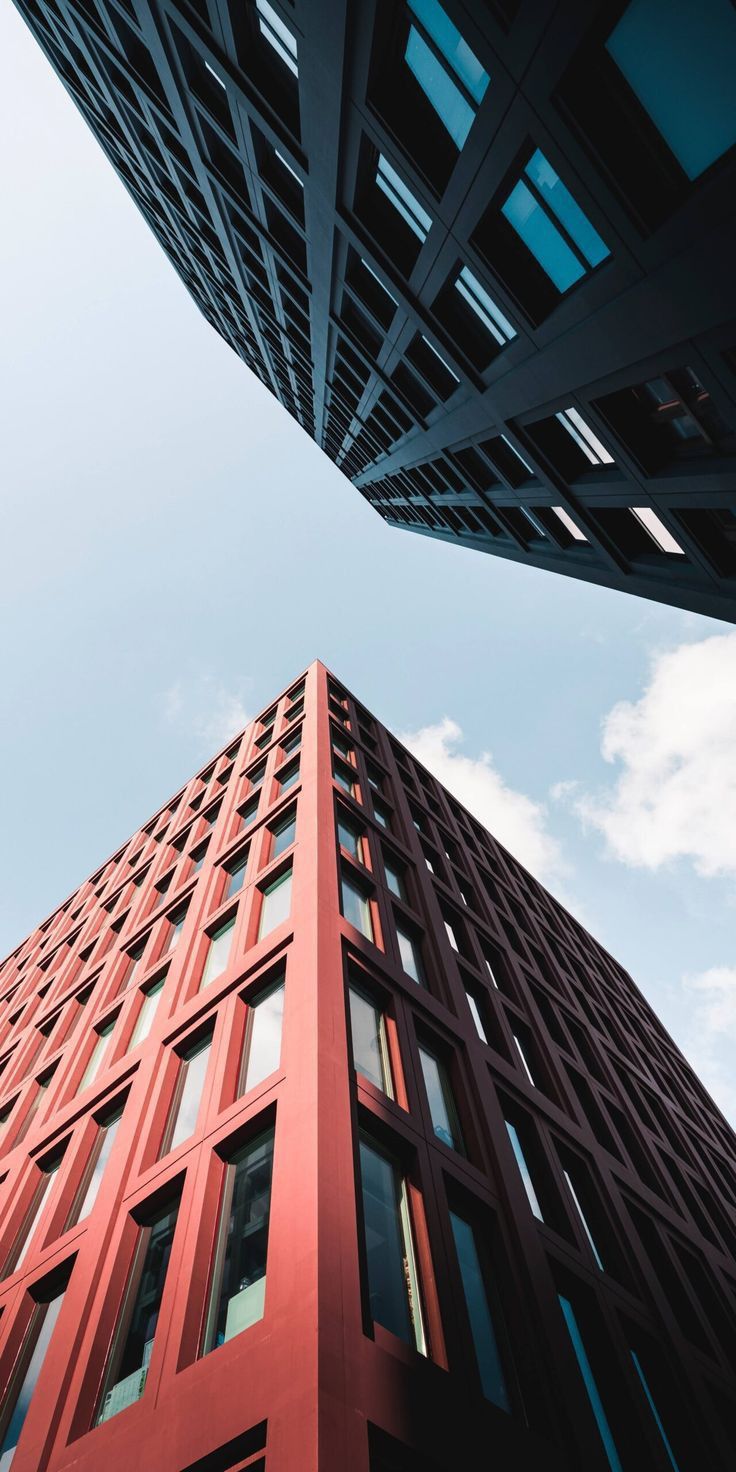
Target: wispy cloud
{"x":711,"y":1041}
{"x":516,"y":820}
{"x":675,"y":794}
{"x":210,"y":711}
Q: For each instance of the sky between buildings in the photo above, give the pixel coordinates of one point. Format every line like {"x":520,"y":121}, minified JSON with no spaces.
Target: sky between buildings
{"x":175,"y":549}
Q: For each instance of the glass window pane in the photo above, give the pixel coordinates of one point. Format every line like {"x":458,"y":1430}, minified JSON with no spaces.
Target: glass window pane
{"x":402,"y":199}
{"x":349,"y":838}
{"x":236,"y":874}
{"x":583,"y":1220}
{"x":16,"y":1410}
{"x":485,"y":308}
{"x":276,"y":905}
{"x":392,"y":1278}
{"x":395,"y":882}
{"x":188,"y":1097}
{"x":96,"y":1056}
{"x":445,"y":96}
{"x":524,"y":1171}
{"x":239,"y":1279}
{"x":590,"y":1385}
{"x":126,"y":1377}
{"x":680,"y":60}
{"x":542,"y":237}
{"x":356,"y":908}
{"x":567,"y":210}
{"x":218,"y":953}
{"x":263,"y":1037}
{"x":283,"y":836}
{"x":481,"y":1323}
{"x":653,"y":1409}
{"x":96,"y":1170}
{"x":289,"y":778}
{"x":449,"y":41}
{"x":370,"y":1054}
{"x":477,"y":1019}
{"x":19,"y":1250}
{"x":441,"y":1103}
{"x":144,"y":1021}
{"x":409,"y":954}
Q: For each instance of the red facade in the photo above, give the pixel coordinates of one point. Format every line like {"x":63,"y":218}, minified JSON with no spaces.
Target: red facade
{"x":386,"y":1165}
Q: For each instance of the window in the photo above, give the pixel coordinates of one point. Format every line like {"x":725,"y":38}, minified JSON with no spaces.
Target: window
{"x":370,"y":1047}
{"x":524,"y":1171}
{"x":218,"y":953}
{"x":679,"y":60}
{"x":350,"y":838}
{"x":345,"y":776}
{"x":21,"y":1246}
{"x":249,"y":812}
{"x":653,"y":1408}
{"x":275,"y":904}
{"x":92,"y":1178}
{"x":289,"y":778}
{"x":393,"y":1282}
{"x":485,"y":308}
{"x":190,"y":1081}
{"x":552,"y":225}
{"x":356,"y":906}
{"x":262,"y":1051}
{"x":177,"y":923}
{"x":395,"y":878}
{"x":409,"y":955}
{"x":590,"y":1385}
{"x":197,"y":857}
{"x":583,"y":1219}
{"x":283,"y":834}
{"x":235,"y":870}
{"x":238,"y":1291}
{"x":402,"y":199}
{"x":381,"y":814}
{"x":656,"y":529}
{"x":488,"y":1358}
{"x":476,"y":1015}
{"x":94,"y":1062}
{"x":134,"y":1339}
{"x":584,"y":437}
{"x":147,"y":1013}
{"x":523,"y":1059}
{"x":23,"y":1383}
{"x":452,"y":89}
{"x":278,"y":35}
{"x":571,"y":526}
{"x":443,"y":1112}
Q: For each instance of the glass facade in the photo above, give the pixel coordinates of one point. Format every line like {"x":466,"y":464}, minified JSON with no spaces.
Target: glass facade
{"x":188,"y":1096}
{"x":238,"y":1291}
{"x":393,"y":1284}
{"x":262,"y":1053}
{"x":370,"y":1049}
{"x":15,"y":1409}
{"x":482,"y":1328}
{"x":126,"y":1375}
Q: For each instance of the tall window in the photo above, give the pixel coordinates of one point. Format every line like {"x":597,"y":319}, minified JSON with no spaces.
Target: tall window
{"x":92,"y":1178}
{"x":280,"y":38}
{"x":218,"y":953}
{"x":552,"y":226}
{"x":476,"y":1015}
{"x":238,"y":1289}
{"x":370,"y":1048}
{"x":236,"y":873}
{"x":16,"y":1403}
{"x":283,"y":834}
{"x":596,"y":1404}
{"x":576,"y":1201}
{"x":24,"y":1239}
{"x":488,"y":313}
{"x":524,"y":1171}
{"x":276,"y":904}
{"x":190,"y":1080}
{"x":177,"y":925}
{"x":410,"y":957}
{"x":262,"y":1051}
{"x":442,"y":1109}
{"x":356,"y":906}
{"x":448,"y":72}
{"x":393,"y":1281}
{"x":133,"y":1343}
{"x":404,"y":202}
{"x":102,"y":1038}
{"x":490,"y":1368}
{"x":147,"y":1013}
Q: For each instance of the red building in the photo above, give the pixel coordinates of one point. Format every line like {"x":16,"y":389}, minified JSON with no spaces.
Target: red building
{"x":330,"y":1140}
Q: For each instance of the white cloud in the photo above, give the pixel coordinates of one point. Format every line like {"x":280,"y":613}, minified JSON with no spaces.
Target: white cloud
{"x":516,"y":820}
{"x":711,"y":1042}
{"x":675,"y":795}
{"x":211,"y":711}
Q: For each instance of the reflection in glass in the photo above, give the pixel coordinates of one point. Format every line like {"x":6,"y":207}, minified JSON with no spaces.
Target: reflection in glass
{"x":239,"y":1278}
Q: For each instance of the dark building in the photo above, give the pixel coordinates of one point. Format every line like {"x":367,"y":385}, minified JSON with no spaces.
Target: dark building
{"x":483,"y":252}
{"x":330,"y":1140}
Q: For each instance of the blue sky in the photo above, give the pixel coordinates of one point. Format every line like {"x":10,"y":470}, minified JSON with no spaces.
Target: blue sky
{"x":175,"y":549}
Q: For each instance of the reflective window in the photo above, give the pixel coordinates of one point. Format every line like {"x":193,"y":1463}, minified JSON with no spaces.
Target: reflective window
{"x":524,"y":1172}
{"x":190,"y":1082}
{"x":276,"y":904}
{"x":32,"y":1357}
{"x":262,"y":1052}
{"x":523,"y":1060}
{"x":402,"y":199}
{"x":283,"y":834}
{"x":350,"y":839}
{"x":443,"y":1112}
{"x":20,"y":1248}
{"x":593,"y":448}
{"x":289,"y":778}
{"x":393,"y":1282}
{"x":177,"y":925}
{"x":133,"y":1344}
{"x":485,"y":308}
{"x":583,"y":1219}
{"x":356,"y":907}
{"x":218,"y":954}
{"x":482,"y":1328}
{"x":409,"y":954}
{"x":92,"y":1179}
{"x":146,"y":1014}
{"x":476,"y":1016}
{"x":447,"y":99}
{"x":656,"y":529}
{"x":590,"y":1385}
{"x":238,"y":1290}
{"x":653,"y":1409}
{"x":552,"y":225}
{"x":236,"y":873}
{"x":571,"y":526}
{"x":370,"y":1048}
{"x":94,"y":1062}
{"x":680,"y":61}
{"x":284,"y":44}
{"x":450,"y":43}
{"x":395,"y":879}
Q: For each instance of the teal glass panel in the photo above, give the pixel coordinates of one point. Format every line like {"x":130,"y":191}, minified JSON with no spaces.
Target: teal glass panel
{"x":568,"y":212}
{"x":446,"y":98}
{"x":479,"y":1313}
{"x":590,"y":1385}
{"x":455,"y":50}
{"x":542,"y":237}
